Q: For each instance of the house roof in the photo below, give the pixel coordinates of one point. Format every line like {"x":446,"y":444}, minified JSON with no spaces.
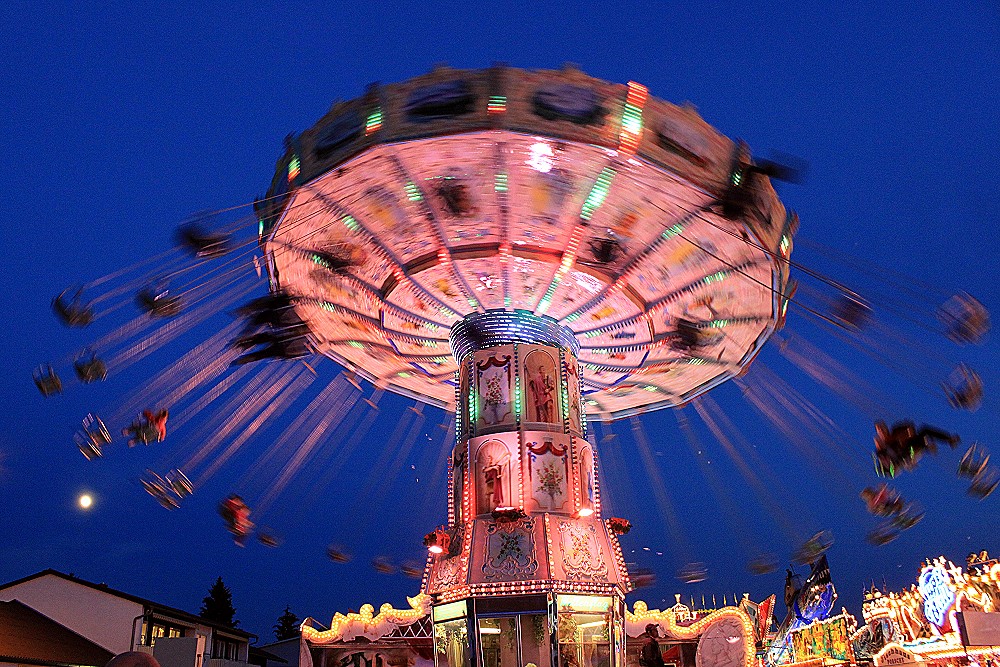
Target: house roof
{"x":262,"y":652}
{"x":154,"y":607}
{"x":29,"y":637}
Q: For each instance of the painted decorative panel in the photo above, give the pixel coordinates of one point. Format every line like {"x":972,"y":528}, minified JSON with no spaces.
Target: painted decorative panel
{"x":496,"y":472}
{"x":509,"y":550}
{"x":549,"y":481}
{"x":494,"y":381}
{"x":540,"y":382}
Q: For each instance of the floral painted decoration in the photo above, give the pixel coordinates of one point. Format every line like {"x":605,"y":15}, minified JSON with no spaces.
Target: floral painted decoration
{"x":550,"y":480}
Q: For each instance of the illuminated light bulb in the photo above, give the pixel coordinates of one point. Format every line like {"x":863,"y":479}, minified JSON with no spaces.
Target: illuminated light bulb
{"x":435,"y":549}
{"x":585,"y":512}
{"x":541,"y":157}
{"x":85,"y":501}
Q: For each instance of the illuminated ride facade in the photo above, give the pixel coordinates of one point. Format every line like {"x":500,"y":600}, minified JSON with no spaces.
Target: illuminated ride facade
{"x":526,"y":248}
{"x":949,"y":616}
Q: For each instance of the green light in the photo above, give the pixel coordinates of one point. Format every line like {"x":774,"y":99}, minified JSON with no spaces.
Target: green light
{"x":500,"y":183}
{"x":404,"y":374}
{"x":412,"y":191}
{"x":260,"y":228}
{"x":715,"y":277}
{"x":598,"y":193}
{"x":472,"y":406}
{"x":517,"y":390}
{"x":632,"y":119}
{"x":736,"y":177}
{"x":784,"y":245}
{"x":496,"y":104}
{"x":374,"y":121}
{"x":546,"y":301}
{"x":573,"y":318}
{"x":671,"y":232}
{"x":649,"y":387}
{"x":350,"y":223}
{"x":354,"y":343}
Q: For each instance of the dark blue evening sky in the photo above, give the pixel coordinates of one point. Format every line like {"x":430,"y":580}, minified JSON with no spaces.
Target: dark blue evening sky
{"x":118,"y":120}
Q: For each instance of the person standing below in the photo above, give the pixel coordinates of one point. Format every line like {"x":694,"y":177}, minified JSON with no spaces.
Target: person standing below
{"x":650,"y":655}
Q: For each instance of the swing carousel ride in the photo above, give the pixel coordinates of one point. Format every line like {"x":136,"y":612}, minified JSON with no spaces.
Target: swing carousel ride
{"x":527,"y":250}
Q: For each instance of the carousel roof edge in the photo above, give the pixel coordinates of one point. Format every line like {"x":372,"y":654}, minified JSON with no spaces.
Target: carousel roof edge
{"x":366,"y":623}
{"x":356,"y":124}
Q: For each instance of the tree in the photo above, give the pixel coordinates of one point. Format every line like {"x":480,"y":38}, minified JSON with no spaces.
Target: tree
{"x":287,"y":626}
{"x":217,"y":606}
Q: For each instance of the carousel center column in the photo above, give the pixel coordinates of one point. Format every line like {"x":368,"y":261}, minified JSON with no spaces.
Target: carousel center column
{"x":527,"y":571}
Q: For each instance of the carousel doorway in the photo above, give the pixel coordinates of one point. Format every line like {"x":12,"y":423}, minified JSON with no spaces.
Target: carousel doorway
{"x":515,"y":640}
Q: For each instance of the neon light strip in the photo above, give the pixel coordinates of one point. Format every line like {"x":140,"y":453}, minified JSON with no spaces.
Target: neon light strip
{"x":374,"y":121}
{"x":568,"y":257}
{"x":631,"y":132}
{"x":497,"y":104}
{"x":598,"y":193}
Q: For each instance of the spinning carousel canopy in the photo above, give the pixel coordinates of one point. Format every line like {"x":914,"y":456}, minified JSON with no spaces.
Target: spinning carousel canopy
{"x":623,"y":219}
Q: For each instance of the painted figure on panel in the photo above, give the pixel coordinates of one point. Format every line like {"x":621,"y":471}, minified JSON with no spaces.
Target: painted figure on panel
{"x":541,"y":387}
{"x":587,"y":476}
{"x":493,"y":477}
{"x":573,"y":381}
{"x":458,"y":481}
{"x":493,"y":481}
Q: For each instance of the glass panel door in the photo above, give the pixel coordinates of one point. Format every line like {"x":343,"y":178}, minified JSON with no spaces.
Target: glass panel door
{"x":520,"y":640}
{"x":535,"y":641}
{"x":451,"y":642}
{"x":584,"y":639}
{"x":498,"y":639}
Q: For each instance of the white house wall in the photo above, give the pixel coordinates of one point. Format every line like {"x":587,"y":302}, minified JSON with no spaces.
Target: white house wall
{"x":102,"y":618}
{"x":176,"y":651}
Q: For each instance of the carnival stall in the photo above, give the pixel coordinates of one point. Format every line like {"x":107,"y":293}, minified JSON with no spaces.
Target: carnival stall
{"x":949,"y":616}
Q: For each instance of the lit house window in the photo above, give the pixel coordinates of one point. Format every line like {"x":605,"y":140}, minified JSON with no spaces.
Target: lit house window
{"x":152,"y":632}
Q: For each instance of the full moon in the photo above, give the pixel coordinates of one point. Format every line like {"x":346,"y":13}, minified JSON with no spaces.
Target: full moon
{"x":86,"y":501}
